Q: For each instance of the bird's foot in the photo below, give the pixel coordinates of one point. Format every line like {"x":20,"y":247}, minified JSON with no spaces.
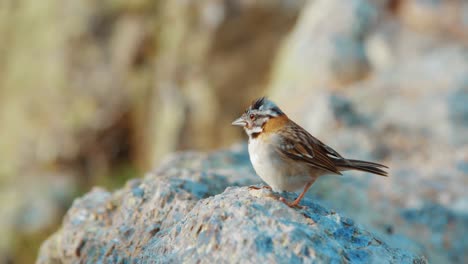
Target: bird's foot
{"x":253,"y":187}
{"x":294,"y":204}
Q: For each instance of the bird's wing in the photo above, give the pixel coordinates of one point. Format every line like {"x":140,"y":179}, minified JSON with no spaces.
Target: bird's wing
{"x":297,"y":144}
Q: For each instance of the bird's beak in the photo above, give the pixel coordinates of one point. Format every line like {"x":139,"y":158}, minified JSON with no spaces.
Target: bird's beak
{"x":239,"y":122}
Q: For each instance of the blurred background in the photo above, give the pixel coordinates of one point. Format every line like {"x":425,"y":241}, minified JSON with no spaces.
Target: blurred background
{"x":97,"y":92}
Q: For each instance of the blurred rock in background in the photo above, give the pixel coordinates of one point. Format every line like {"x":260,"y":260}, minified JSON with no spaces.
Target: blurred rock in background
{"x":91,"y":92}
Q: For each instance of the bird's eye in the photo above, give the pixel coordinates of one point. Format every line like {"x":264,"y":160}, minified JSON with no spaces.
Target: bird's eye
{"x":252,"y":116}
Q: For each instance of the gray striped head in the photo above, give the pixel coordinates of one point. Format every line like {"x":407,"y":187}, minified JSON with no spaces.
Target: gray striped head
{"x":263,"y":106}
{"x":254,"y":118}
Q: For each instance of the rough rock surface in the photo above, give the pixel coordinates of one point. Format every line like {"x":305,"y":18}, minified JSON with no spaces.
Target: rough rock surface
{"x":183,"y":213}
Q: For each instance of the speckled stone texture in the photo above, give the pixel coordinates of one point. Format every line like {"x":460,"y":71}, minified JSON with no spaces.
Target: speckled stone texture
{"x":183,"y":213}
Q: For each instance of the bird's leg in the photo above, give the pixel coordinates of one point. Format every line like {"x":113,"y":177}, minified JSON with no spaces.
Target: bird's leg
{"x":253,"y":187}
{"x":298,"y":199}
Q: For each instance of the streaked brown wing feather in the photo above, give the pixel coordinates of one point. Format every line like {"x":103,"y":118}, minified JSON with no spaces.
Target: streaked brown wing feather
{"x":299,"y":145}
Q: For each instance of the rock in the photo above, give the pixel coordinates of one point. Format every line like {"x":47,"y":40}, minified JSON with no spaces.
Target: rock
{"x":183,"y":213}
{"x":458,"y":112}
{"x":27,"y":209}
{"x":436,"y":223}
{"x":321,"y":53}
{"x":320,"y":56}
{"x":441,"y":17}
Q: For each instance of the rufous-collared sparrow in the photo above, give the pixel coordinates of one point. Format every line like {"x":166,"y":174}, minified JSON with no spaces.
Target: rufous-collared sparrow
{"x":286,"y":156}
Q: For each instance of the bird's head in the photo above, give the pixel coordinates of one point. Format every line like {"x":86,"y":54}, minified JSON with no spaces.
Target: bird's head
{"x":257,"y":115}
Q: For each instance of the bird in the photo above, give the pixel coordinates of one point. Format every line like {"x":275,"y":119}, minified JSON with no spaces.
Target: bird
{"x":286,"y":156}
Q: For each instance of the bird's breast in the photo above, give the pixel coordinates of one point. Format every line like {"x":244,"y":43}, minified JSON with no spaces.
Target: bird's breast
{"x":277,"y":173}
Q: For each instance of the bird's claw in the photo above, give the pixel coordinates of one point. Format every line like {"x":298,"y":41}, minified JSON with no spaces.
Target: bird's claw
{"x":292,"y":205}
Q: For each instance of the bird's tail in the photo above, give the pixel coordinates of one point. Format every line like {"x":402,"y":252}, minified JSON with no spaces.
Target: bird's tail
{"x":372,"y":167}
